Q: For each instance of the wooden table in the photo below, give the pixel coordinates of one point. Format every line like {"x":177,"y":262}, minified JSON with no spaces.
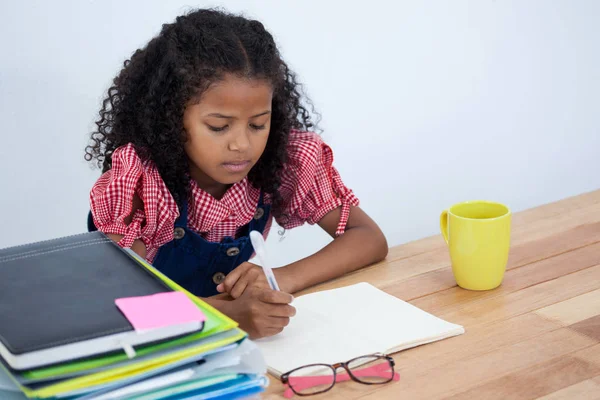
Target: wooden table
{"x":536,"y":336}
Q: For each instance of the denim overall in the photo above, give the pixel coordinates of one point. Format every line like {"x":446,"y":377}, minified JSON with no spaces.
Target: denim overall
{"x":199,"y":265}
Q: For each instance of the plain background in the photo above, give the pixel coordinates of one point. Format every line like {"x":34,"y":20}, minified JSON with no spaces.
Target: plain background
{"x":425,"y":103}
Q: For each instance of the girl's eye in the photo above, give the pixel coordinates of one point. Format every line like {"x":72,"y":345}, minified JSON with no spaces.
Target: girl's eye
{"x":217,"y":128}
{"x":257,"y":127}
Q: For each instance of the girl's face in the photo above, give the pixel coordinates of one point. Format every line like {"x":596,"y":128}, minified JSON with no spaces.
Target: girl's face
{"x":227,"y":131}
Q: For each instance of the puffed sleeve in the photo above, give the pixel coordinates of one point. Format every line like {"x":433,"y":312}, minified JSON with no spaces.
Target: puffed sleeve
{"x":311,"y":186}
{"x":112,"y":197}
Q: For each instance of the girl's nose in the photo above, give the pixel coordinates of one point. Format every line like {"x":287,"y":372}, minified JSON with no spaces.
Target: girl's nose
{"x":239,"y":141}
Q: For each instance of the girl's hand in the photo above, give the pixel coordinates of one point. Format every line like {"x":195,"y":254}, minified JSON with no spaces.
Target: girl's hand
{"x":244,"y":276}
{"x":260,"y":312}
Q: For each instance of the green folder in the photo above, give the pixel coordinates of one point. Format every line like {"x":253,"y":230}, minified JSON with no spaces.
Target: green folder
{"x":127,"y":371}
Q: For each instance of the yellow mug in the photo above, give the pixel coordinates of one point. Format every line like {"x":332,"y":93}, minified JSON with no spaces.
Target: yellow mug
{"x":478,"y":237}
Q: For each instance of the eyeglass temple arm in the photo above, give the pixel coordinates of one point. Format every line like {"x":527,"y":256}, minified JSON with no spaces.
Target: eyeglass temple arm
{"x":306,"y":382}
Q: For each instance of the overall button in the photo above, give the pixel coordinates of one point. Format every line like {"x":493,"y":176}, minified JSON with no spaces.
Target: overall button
{"x":218,"y":278}
{"x":233,"y":251}
{"x":178,"y":233}
{"x":259,"y":213}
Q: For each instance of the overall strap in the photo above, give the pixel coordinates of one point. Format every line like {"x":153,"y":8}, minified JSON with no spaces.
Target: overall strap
{"x":183,"y":215}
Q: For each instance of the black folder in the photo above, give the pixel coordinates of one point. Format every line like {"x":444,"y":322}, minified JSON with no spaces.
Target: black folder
{"x":57,"y":300}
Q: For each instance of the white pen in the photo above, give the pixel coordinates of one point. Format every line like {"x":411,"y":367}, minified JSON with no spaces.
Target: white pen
{"x":258,"y":242}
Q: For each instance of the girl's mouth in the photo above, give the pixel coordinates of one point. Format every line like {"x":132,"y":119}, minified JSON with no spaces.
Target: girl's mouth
{"x":236,"y":166}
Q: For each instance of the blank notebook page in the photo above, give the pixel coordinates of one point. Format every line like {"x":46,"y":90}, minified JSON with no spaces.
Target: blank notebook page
{"x":336,"y":325}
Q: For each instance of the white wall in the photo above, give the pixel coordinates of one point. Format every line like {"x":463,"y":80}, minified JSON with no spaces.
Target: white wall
{"x":425,"y":103}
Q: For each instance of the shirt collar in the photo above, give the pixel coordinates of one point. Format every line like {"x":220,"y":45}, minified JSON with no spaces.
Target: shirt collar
{"x":237,"y":204}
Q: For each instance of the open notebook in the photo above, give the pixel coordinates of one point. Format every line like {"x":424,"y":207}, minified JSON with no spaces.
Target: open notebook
{"x":337,"y":325}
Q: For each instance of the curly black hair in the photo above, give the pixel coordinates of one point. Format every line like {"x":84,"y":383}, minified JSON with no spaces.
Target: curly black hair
{"x":145,"y":104}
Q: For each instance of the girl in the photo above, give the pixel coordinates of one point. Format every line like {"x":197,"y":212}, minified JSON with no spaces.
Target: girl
{"x":202,"y":138}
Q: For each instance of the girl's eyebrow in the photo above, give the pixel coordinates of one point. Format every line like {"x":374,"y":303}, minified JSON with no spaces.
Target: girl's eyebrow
{"x":218,"y":115}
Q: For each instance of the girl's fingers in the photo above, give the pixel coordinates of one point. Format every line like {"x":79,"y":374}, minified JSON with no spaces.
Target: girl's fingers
{"x":231,"y":278}
{"x":239,"y":287}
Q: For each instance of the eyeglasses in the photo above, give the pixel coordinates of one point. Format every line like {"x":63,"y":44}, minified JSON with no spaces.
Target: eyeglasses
{"x":372,"y":369}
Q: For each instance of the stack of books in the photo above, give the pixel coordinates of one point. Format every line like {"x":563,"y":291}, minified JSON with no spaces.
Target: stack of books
{"x":82,"y":318}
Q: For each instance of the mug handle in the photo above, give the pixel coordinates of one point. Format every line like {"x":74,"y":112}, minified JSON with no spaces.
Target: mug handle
{"x":444,"y":225}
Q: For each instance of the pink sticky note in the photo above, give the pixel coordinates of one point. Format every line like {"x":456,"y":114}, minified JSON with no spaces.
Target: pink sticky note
{"x":158,"y":310}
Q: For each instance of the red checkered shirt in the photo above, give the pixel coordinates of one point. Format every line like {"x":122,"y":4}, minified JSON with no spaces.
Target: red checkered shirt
{"x":314,"y":189}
